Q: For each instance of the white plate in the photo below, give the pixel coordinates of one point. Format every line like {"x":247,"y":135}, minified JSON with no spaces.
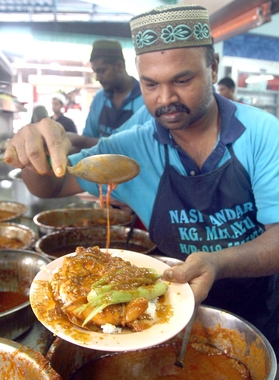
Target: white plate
{"x":178,"y":296}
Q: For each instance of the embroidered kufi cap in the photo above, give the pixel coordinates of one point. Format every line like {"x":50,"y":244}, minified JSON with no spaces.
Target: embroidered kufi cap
{"x":106,"y":48}
{"x":171,"y":27}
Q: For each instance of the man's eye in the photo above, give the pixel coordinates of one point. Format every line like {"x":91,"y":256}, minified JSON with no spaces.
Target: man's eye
{"x":150,"y":85}
{"x":182,"y":81}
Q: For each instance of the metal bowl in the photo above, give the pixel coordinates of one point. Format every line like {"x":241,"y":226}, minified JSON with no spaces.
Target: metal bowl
{"x":214,"y":326}
{"x":18,"y":362}
{"x":17,"y":271}
{"x":61,"y":243}
{"x":78,"y":218}
{"x":239,"y":338}
{"x":19,"y":191}
{"x":17,"y":210}
{"x":25,"y":235}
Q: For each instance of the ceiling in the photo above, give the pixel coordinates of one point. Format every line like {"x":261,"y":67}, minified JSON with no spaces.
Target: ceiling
{"x":85,"y":10}
{"x":100,"y":17}
{"x":52,"y":19}
{"x":95,"y":17}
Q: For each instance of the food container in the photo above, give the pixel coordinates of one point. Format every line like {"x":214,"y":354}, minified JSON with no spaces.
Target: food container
{"x":19,"y":192}
{"x":18,"y":362}
{"x":78,"y":218}
{"x":61,"y":243}
{"x":11,"y":211}
{"x":214,"y":326}
{"x":17,"y":271}
{"x":16,"y":236}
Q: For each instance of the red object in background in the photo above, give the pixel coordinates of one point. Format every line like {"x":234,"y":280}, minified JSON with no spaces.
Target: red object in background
{"x":241,"y":79}
{"x":35,"y":94}
{"x":272,"y":84}
{"x":140,"y":225}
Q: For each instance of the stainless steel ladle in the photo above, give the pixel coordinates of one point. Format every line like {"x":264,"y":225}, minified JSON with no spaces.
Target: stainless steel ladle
{"x":180,"y":359}
{"x":106,"y":168}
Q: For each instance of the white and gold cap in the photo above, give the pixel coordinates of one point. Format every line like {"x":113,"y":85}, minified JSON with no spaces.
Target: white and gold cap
{"x":171,"y":27}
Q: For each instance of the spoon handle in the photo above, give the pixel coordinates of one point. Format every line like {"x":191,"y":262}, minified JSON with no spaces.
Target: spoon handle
{"x":131,"y":231}
{"x":180,"y":360}
{"x":49,"y":160}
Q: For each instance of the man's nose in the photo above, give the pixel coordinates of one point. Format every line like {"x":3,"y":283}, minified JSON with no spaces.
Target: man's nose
{"x":168,"y":96}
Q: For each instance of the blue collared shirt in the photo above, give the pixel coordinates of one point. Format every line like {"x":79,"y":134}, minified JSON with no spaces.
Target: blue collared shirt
{"x":132,"y":102}
{"x":231,"y":130}
{"x":254,"y":135}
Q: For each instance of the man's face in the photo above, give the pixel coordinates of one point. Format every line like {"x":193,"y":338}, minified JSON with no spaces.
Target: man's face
{"x":105,"y":73}
{"x":176,"y":85}
{"x":225,"y":91}
{"x":56,"y":106}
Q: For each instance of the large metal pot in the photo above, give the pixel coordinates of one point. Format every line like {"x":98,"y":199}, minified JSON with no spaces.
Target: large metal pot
{"x":70,"y":219}
{"x":17,"y":271}
{"x":224,"y":330}
{"x":18,"y":362}
{"x":239,"y":338}
{"x":60,"y":243}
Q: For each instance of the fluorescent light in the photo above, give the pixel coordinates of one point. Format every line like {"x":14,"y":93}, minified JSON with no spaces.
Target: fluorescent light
{"x":45,"y":66}
{"x":259,"y":78}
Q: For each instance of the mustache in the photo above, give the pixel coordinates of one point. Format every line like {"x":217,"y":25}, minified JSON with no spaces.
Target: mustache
{"x":171,"y":108}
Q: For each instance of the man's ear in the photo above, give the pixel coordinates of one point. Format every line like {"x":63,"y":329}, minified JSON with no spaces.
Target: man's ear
{"x":214,"y":68}
{"x":120,"y":66}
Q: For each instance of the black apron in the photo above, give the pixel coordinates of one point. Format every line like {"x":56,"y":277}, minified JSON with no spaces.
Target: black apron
{"x":209,"y":212}
{"x":112,"y":118}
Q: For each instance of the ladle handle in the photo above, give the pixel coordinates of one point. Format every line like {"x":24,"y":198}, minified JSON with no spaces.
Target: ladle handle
{"x":180,"y":360}
{"x":131,"y":231}
{"x":49,"y":160}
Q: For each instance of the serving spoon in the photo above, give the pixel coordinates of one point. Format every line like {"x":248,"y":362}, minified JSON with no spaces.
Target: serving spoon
{"x":106,"y":168}
{"x":180,"y":359}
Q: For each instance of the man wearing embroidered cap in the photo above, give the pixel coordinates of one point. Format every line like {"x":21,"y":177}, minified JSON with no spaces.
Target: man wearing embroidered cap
{"x":120,"y":96}
{"x":116,"y":102}
{"x":208,"y":186}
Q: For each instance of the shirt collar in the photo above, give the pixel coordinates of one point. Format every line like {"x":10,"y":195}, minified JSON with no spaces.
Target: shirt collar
{"x":134,"y":93}
{"x":231,"y":127}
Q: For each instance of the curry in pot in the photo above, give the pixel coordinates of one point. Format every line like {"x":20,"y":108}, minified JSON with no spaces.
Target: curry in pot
{"x":5,"y":215}
{"x":202,"y":362}
{"x":10,"y":243}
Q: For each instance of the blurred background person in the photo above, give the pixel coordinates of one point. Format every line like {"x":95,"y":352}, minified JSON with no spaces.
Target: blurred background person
{"x":226,"y":88}
{"x":116,"y":102}
{"x":59,"y":102}
{"x":120,"y":96}
{"x":39,"y":113}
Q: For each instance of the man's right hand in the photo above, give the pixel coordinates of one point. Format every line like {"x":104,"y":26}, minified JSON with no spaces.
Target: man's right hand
{"x":30,"y":145}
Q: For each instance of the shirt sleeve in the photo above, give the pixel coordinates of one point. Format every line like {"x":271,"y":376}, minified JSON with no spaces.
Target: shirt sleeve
{"x":91,"y":128}
{"x":258,"y":151}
